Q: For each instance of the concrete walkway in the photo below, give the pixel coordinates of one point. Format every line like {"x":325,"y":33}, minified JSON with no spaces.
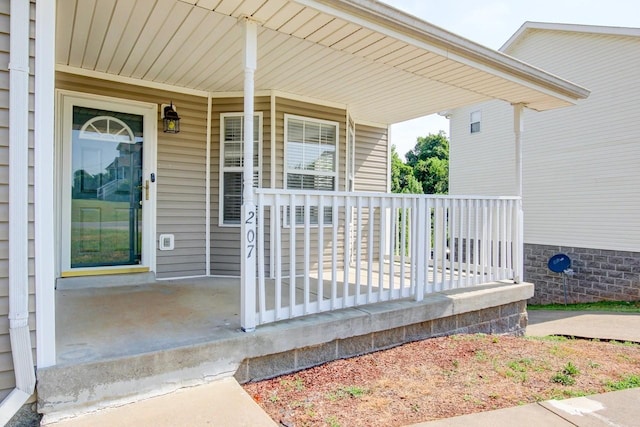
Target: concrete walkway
{"x":619,"y":408}
{"x":585,"y":324}
{"x":219,"y":403}
{"x":224,"y":402}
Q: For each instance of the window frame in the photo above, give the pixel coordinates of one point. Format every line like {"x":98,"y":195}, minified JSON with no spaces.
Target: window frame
{"x":472,"y":122}
{"x":350,"y":175}
{"x":286,"y":171}
{"x":222,"y":169}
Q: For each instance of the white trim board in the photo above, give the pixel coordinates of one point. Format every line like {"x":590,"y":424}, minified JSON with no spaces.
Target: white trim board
{"x":129,"y":80}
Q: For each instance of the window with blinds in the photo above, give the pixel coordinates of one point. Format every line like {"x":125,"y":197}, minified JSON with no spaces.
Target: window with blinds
{"x":311,"y":160}
{"x":474,"y":119}
{"x":232,"y":163}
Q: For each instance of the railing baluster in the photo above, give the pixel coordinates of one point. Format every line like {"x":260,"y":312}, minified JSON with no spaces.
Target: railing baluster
{"x":403,"y":242}
{"x":334,"y":249}
{"x":436,"y":243}
{"x":261,"y":264}
{"x":307,"y":248}
{"x":392,"y":239}
{"x":459,"y":257}
{"x":495,"y":224}
{"x":413,"y":248}
{"x":292,"y":254}
{"x":320,"y":284}
{"x":381,"y":247}
{"x":477,"y":208}
{"x":483,"y":254}
{"x":370,"y":241}
{"x":509,"y":238}
{"x":468,"y":279}
{"x":503,"y":240}
{"x":444,"y":225}
{"x":430,"y":231}
{"x":420,"y":257}
{"x":453,"y":222}
{"x":279,"y":259}
{"x":358,"y":260}
{"x":347,"y":251}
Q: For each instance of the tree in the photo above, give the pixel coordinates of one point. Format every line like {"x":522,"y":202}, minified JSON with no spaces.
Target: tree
{"x":429,"y":161}
{"x":402,"y":178}
{"x":433,"y":175}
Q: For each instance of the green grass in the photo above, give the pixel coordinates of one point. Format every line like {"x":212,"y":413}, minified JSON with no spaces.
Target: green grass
{"x":566,"y":376}
{"x":630,"y":381}
{"x":293,"y":384}
{"x":613,"y":306}
{"x":563,"y":379}
{"x":571,"y":369}
{"x":553,"y":338}
{"x":344,"y":392}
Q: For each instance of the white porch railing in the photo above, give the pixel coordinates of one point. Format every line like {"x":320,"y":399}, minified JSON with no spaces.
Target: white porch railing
{"x":351,"y":249}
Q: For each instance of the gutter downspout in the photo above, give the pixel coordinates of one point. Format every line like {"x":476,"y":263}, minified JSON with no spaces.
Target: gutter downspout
{"x":23,"y":366}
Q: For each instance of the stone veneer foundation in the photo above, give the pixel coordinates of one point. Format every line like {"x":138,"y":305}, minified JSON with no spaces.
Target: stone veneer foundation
{"x":599,"y":274}
{"x":508,"y":319}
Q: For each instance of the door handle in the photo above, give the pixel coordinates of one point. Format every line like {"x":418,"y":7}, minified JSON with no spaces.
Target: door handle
{"x":146,"y":190}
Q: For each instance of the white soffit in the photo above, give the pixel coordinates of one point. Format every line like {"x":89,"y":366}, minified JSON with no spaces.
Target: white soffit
{"x":385,"y":65}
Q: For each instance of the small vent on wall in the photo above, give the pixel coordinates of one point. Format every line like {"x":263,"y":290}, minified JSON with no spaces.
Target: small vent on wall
{"x":165,"y":242}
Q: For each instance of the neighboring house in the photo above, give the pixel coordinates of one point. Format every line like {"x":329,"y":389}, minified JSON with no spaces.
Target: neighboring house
{"x":581,"y":170}
{"x":294,"y":97}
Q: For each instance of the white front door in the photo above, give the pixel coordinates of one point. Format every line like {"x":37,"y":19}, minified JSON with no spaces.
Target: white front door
{"x":107,"y":207}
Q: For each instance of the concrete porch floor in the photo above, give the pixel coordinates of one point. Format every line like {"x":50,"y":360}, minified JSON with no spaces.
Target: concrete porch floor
{"x":104,"y":323}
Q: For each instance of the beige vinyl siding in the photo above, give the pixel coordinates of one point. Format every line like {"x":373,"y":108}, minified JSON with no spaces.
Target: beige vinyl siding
{"x":7,"y":376}
{"x":371,"y":166}
{"x":225,"y":240}
{"x":371,"y":159}
{"x":482,"y":163}
{"x":581,"y":169}
{"x":181,"y":170}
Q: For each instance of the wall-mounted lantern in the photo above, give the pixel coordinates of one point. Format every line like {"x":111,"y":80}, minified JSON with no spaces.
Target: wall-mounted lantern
{"x":170,"y":119}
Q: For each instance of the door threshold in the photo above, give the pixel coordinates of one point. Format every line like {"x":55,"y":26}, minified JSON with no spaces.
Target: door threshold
{"x":105,"y":280}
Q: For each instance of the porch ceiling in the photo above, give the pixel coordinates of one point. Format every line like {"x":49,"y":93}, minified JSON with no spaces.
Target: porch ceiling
{"x":386,"y":66}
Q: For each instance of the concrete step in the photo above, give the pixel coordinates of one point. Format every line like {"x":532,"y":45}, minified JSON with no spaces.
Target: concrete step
{"x":72,"y":389}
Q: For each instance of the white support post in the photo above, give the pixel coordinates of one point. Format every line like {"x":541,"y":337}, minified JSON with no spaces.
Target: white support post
{"x":518,"y":128}
{"x":249,"y":238}
{"x":44,"y":183}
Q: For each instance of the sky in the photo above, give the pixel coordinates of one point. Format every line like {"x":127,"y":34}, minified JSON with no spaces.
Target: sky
{"x":491,"y":23}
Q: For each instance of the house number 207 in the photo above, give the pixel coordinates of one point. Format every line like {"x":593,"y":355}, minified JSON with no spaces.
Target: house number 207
{"x":251,"y":234}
